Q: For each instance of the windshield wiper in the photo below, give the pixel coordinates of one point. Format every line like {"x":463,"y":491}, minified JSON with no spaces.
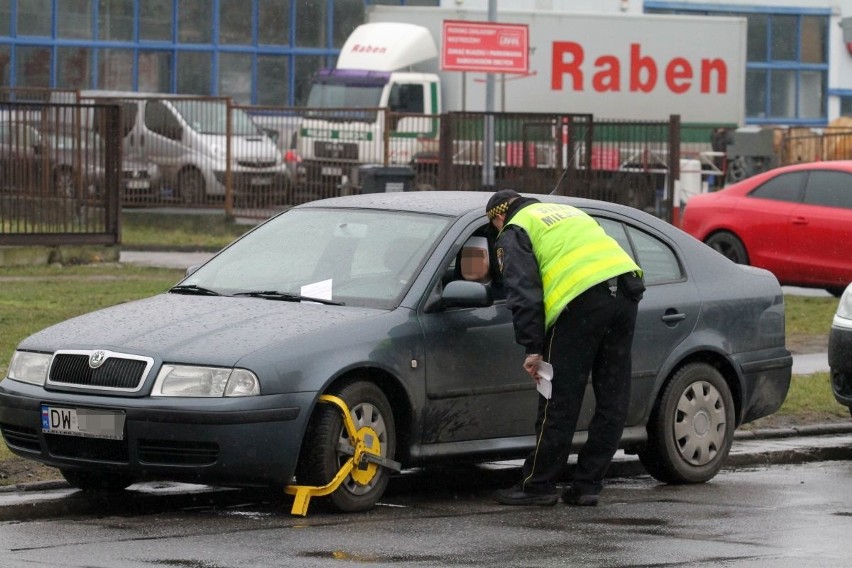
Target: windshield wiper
{"x":192,"y":290}
{"x":287,"y":297}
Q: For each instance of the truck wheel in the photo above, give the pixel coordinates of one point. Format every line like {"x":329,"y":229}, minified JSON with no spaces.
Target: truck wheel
{"x":324,"y":449}
{"x":739,"y":169}
{"x":728,"y":245}
{"x":691,"y":428}
{"x":96,"y":481}
{"x":190,"y":186}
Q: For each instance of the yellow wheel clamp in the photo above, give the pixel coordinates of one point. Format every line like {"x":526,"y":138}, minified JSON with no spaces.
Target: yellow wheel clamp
{"x":362,"y":466}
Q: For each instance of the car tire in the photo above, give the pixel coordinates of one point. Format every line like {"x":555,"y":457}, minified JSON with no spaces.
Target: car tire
{"x":691,"y":428}
{"x":729,"y":246}
{"x":96,"y":481}
{"x":321,"y":457}
{"x":836,"y":291}
{"x":63,"y":182}
{"x":190,"y":186}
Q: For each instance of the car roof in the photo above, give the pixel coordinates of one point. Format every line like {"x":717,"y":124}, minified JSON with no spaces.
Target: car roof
{"x":450,"y":203}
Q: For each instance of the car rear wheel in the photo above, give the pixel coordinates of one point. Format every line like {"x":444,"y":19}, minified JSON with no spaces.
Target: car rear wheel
{"x":729,"y":246}
{"x":327,"y":446}
{"x":191,"y":186}
{"x":691,"y":428}
{"x":96,"y":481}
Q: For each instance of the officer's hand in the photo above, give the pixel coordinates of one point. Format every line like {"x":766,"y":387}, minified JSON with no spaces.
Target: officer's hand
{"x":531,"y":365}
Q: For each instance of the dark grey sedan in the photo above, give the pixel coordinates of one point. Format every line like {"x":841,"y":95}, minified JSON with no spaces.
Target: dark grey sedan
{"x":392,"y":304}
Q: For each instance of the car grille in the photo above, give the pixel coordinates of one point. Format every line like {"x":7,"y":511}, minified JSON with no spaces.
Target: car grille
{"x":21,"y":438}
{"x":256,"y":164}
{"x":78,"y":448}
{"x":336,"y":150}
{"x":117,"y":371}
{"x":168,"y":452}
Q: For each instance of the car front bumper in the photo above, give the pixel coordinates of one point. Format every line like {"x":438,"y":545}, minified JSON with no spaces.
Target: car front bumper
{"x":251,"y":441}
{"x":840,"y":363}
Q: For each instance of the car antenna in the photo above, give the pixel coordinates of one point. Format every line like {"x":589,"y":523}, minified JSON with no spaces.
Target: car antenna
{"x":564,"y":172}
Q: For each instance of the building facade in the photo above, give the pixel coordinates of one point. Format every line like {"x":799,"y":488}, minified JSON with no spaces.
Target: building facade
{"x":263,"y":52}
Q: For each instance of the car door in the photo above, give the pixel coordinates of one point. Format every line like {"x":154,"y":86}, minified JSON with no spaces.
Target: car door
{"x":476,"y":387}
{"x":763,"y":218}
{"x":820,"y":244}
{"x":667,"y":313}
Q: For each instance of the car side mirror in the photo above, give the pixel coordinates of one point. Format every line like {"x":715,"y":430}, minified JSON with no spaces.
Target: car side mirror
{"x":465,"y":294}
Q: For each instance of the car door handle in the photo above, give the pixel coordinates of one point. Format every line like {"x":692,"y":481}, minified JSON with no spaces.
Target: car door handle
{"x":800,"y":221}
{"x":672,"y":316}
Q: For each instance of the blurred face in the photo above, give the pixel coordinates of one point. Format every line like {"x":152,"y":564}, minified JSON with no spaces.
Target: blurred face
{"x":499,"y":221}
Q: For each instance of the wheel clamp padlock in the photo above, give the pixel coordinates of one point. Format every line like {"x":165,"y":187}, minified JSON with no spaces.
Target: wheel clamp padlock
{"x":362,"y":465}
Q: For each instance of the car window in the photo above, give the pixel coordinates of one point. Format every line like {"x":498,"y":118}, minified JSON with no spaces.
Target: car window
{"x":656,"y":258}
{"x":831,"y":189}
{"x":786,"y":187}
{"x":361,"y":257}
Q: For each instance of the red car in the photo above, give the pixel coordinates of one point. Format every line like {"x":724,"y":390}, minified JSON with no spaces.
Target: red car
{"x":795,"y":221}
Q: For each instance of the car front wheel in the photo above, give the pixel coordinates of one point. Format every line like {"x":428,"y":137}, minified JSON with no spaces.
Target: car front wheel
{"x":729,"y":246}
{"x":327,"y":446}
{"x":691,"y":428}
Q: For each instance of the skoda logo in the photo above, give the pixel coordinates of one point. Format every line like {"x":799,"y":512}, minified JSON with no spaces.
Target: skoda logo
{"x":97,"y":359}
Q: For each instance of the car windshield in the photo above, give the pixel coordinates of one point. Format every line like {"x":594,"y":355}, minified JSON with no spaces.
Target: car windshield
{"x":357,"y":257}
{"x":211,"y":117}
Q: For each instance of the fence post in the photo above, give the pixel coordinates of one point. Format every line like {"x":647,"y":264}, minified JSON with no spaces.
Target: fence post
{"x":445,"y":152}
{"x":229,"y":185}
{"x":673,"y":167}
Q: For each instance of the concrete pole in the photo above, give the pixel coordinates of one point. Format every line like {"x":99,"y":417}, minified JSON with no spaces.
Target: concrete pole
{"x":488,"y":133}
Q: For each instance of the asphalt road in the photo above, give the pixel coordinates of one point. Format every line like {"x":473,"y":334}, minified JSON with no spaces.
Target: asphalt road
{"x":787,"y":515}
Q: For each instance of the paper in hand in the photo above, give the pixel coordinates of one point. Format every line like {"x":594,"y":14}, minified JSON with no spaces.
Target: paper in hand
{"x":545,"y":373}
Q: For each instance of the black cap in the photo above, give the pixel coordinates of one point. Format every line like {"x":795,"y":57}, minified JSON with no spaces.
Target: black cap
{"x":499,"y":202}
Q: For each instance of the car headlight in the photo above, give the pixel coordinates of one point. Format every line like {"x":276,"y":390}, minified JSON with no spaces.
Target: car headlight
{"x":844,"y":308}
{"x":183,"y":380}
{"x":29,"y":367}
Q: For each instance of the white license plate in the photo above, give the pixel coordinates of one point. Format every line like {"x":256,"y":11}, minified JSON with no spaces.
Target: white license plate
{"x":328,"y":171}
{"x":138,"y":184}
{"x":83,"y":422}
{"x":261,"y":180}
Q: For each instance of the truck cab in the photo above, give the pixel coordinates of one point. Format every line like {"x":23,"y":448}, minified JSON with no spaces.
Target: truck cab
{"x":374,"y":89}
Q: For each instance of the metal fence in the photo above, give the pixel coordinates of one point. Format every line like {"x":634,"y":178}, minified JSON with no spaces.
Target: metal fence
{"x":251,"y":161}
{"x":57,"y":172}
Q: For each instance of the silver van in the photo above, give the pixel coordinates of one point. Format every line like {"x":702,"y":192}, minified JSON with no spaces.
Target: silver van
{"x":186,"y":137}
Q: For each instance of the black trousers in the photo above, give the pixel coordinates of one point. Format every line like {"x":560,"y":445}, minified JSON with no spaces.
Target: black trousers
{"x":593,"y":334}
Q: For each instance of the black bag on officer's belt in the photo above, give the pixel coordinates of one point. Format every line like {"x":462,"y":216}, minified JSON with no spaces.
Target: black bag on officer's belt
{"x":632,"y":285}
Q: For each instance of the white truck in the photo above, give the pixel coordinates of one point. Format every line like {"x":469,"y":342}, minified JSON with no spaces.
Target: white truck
{"x":631,"y":67}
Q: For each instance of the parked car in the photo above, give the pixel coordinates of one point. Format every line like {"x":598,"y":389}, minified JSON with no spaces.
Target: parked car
{"x":219,"y":379}
{"x":840,"y":350}
{"x":795,"y":221}
{"x":33,"y":156}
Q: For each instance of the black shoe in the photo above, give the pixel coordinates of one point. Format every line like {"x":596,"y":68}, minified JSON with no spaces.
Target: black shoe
{"x":517,"y":496}
{"x":571,"y":497}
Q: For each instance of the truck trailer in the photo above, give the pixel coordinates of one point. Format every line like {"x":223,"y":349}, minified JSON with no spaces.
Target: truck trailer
{"x":382,"y":102}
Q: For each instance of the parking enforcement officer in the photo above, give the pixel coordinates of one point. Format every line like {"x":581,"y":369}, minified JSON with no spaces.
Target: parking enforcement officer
{"x":573,"y":293}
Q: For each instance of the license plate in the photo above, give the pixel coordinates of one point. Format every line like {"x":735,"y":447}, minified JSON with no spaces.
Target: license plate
{"x":258,"y":180}
{"x":138,"y":184}
{"x":328,"y":171}
{"x":83,"y":422}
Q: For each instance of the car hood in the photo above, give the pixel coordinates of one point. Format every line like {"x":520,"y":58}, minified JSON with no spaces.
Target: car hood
{"x":194,"y":329}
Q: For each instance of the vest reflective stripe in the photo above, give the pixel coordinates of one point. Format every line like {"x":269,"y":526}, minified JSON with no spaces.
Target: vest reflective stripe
{"x":573,"y":253}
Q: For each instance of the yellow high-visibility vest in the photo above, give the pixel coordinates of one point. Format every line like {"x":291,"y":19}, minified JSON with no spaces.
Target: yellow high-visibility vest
{"x":573,"y":253}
